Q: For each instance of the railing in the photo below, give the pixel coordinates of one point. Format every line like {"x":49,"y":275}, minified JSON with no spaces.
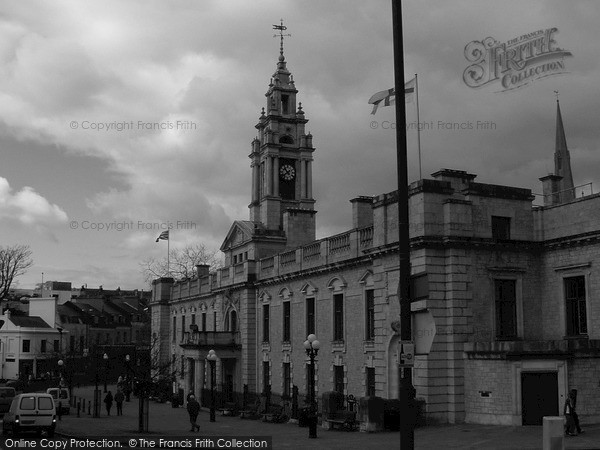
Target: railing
{"x":365,"y":237}
{"x":340,"y":243}
{"x":267,"y":263}
{"x":211,"y":338}
{"x":311,"y":251}
{"x":288,"y":258}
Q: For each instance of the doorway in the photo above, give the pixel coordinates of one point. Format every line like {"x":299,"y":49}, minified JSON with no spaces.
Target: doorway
{"x":539,"y":396}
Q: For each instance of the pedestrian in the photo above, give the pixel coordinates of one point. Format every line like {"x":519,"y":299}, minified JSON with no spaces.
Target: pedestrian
{"x":119,"y":397}
{"x":127,"y":390}
{"x":108,"y":401}
{"x":568,"y":412}
{"x":574,"y":411}
{"x":193,"y":408}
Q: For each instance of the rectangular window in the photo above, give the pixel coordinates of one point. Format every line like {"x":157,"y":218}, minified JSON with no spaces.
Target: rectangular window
{"x":286,"y":322}
{"x":174,"y":329}
{"x":82,"y":343}
{"x":43,"y":346}
{"x":174,"y":365}
{"x":287,"y":379}
{"x":310,"y":316}
{"x":182,"y":373}
{"x":203,"y":321}
{"x":56,"y":346}
{"x":26,"y":345}
{"x":215,"y":321}
{"x":370,"y":315}
{"x":338,"y":317}
{"x":370,"y":382}
{"x":193,"y":319}
{"x":71,"y":344}
{"x":419,"y":287}
{"x":506,"y":308}
{"x":266,"y":378}
{"x":576,"y":307}
{"x":500,"y":227}
{"x":338,"y":379}
{"x":285,"y":104}
{"x":265,"y":323}
{"x":182,"y":327}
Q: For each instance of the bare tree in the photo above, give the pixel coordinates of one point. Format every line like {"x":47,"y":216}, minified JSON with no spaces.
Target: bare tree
{"x":182,"y":263}
{"x":14,"y":261}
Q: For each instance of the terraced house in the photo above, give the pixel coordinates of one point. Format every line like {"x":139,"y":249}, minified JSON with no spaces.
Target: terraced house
{"x":504,"y":293}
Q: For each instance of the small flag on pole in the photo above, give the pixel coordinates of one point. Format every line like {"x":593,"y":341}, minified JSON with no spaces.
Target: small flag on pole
{"x":388,"y":97}
{"x":163,"y":236}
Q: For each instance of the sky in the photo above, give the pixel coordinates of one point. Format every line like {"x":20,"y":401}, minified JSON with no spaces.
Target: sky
{"x":118,"y":119}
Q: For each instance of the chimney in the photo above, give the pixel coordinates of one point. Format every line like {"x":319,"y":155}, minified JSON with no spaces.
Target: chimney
{"x":362,"y":212}
{"x":551,"y":189}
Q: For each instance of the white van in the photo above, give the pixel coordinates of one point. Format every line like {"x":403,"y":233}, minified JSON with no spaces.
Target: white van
{"x":30,"y":412}
{"x":62,"y":399}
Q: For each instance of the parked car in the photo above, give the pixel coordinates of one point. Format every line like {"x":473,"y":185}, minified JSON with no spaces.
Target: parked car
{"x":30,"y":412}
{"x":6,"y":397}
{"x":62,"y":399}
{"x":19,"y":385}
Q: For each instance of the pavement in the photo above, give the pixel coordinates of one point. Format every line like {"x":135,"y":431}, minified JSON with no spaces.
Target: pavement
{"x":164,"y":420}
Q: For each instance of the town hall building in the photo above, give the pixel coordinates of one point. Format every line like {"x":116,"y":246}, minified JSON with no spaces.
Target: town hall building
{"x":505,"y":294}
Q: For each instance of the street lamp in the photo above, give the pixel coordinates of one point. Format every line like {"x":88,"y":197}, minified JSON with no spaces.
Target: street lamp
{"x":312,"y":349}
{"x":212,"y":360}
{"x":61,"y":363}
{"x":105,"y":372}
{"x":141,"y":393}
{"x":96,"y":390}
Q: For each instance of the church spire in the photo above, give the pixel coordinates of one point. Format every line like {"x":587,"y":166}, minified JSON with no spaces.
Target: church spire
{"x":562,"y":159}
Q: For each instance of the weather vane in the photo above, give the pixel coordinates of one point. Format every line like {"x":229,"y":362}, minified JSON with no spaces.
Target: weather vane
{"x":281,"y":29}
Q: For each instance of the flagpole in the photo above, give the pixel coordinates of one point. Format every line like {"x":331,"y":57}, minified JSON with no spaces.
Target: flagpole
{"x":168,"y":254}
{"x":418,"y":126}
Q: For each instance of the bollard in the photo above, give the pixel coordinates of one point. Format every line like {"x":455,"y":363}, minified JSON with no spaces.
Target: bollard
{"x":554,"y":433}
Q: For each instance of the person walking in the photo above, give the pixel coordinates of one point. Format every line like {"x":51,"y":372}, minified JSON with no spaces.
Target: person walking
{"x":193,"y":408}
{"x":574,"y":411}
{"x":568,"y":412}
{"x":108,"y":401}
{"x":119,"y":397}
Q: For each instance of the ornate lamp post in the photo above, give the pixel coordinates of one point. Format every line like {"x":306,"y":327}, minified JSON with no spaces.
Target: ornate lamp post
{"x":105,"y":372}
{"x":312,"y":346}
{"x":212,"y":360}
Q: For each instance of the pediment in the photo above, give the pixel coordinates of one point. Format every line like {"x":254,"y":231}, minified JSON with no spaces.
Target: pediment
{"x":239,"y":233}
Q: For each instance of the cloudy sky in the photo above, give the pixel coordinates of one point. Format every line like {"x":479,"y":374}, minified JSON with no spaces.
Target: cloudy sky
{"x":68,"y":67}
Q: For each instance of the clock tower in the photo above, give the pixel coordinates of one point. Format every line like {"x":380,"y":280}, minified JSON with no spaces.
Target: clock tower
{"x":281,"y":161}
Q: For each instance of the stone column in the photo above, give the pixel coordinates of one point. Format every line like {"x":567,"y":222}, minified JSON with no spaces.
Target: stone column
{"x":302,"y":179}
{"x":276,"y":176}
{"x":269,"y":176}
{"x":308,"y":179}
{"x":255,"y":178}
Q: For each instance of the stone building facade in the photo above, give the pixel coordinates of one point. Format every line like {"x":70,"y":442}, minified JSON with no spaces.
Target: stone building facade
{"x":506,"y":317}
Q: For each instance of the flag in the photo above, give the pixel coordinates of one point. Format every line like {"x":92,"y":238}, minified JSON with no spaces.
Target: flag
{"x":388,"y":97}
{"x":163,"y":236}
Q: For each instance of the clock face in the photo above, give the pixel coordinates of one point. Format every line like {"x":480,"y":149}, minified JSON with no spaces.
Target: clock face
{"x":287,"y":172}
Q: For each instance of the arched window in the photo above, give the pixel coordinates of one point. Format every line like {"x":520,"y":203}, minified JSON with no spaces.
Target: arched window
{"x":286,"y":139}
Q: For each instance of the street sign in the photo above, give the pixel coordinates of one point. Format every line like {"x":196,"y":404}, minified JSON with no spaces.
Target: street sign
{"x":406,"y":350}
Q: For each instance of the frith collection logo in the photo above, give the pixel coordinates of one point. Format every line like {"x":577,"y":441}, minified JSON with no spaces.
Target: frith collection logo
{"x":515,"y":63}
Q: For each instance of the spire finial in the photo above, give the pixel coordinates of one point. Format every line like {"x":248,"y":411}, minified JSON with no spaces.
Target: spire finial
{"x":281,"y":29}
{"x":556,"y":93}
